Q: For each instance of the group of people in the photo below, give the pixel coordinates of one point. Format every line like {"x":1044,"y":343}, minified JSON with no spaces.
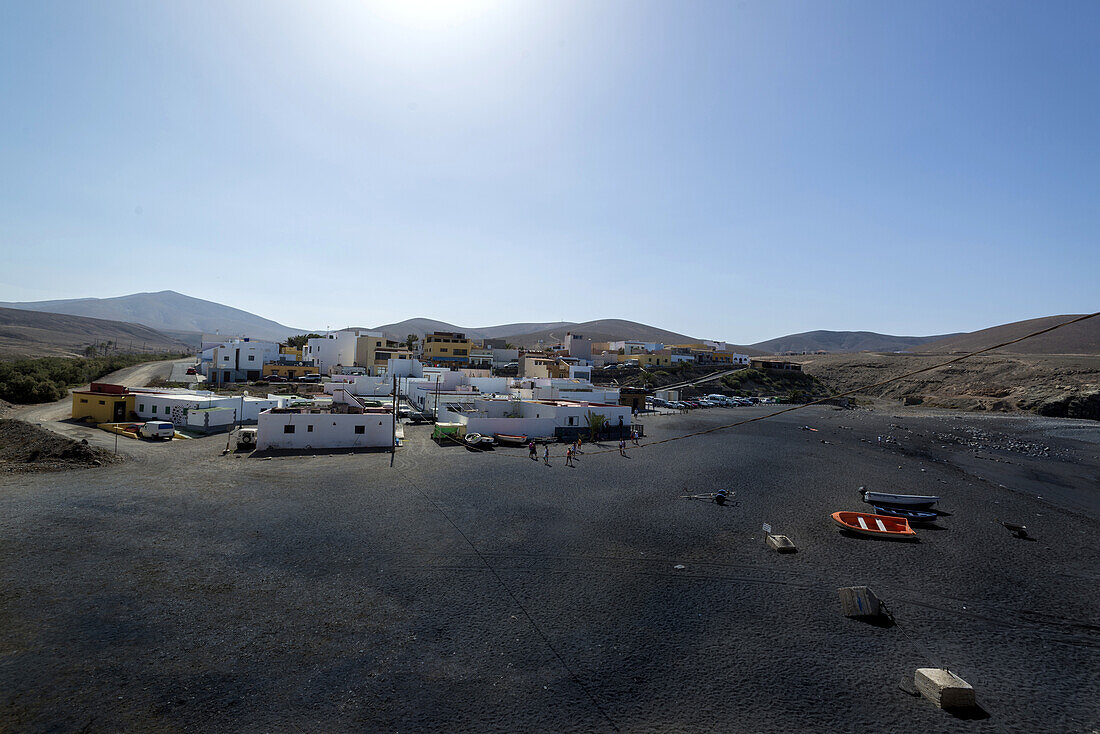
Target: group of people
{"x":574,"y":449}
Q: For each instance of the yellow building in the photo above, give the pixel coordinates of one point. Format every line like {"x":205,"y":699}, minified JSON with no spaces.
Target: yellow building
{"x":290,"y":370}
{"x":446,"y":349}
{"x":295,"y":352}
{"x":373,"y":353}
{"x":103,"y":403}
{"x":648,"y":359}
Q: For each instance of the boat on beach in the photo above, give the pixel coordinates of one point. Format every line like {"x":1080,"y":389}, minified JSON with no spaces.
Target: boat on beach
{"x":511,"y":440}
{"x":915,"y":501}
{"x":875,"y":526}
{"x":908,"y":514}
{"x":477,"y":440}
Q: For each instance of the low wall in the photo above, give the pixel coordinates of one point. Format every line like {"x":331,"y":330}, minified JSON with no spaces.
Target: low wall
{"x":530,"y":427}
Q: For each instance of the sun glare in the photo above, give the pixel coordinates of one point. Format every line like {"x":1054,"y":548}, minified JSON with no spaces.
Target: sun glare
{"x":425,"y":13}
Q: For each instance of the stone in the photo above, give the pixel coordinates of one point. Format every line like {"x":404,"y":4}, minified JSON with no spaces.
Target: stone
{"x":944,"y":688}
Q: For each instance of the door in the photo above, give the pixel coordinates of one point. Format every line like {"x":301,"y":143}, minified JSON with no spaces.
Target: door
{"x":120,"y":411}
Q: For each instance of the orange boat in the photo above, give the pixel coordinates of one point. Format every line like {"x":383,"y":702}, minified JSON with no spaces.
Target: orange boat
{"x":875,"y":526}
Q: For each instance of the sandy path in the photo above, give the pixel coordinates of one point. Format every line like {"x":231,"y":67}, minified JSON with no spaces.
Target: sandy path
{"x":54,"y":416}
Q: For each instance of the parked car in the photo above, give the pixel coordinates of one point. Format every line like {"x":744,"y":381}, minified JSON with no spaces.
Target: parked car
{"x":275,"y":378}
{"x":157,"y":429}
{"x":191,"y":371}
{"x":246,"y":439}
{"x":310,"y":378}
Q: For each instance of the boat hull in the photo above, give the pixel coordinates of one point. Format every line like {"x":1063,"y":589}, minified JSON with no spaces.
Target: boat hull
{"x":909,"y":514}
{"x":512,"y":440}
{"x":875,"y":526}
{"x":914,"y":501}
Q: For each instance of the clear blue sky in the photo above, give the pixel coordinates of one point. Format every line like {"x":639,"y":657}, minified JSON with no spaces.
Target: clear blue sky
{"x":736,"y":170}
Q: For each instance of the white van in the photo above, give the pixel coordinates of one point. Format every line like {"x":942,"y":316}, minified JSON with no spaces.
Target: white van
{"x":157,"y":429}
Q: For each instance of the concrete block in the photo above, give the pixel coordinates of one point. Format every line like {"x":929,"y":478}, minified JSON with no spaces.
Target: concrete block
{"x":859,"y":601}
{"x":944,"y":688}
{"x":781,"y":543}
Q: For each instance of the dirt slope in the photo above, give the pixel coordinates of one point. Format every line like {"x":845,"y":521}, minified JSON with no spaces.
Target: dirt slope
{"x":1081,"y":338}
{"x":1053,"y":385}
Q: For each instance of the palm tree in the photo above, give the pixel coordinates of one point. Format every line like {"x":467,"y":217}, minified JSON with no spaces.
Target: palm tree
{"x":595,"y":423}
{"x":411,"y":340}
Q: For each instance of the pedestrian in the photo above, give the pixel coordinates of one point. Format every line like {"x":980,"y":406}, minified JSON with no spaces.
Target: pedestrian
{"x":546,"y":454}
{"x":577,"y":450}
{"x":634,"y":436}
{"x":622,"y":447}
{"x":569,"y":456}
{"x":531,"y":451}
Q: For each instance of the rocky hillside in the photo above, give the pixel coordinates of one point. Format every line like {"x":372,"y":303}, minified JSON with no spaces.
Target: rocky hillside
{"x":1053,"y":385}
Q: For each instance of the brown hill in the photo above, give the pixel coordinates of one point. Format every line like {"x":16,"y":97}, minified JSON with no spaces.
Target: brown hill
{"x":1079,"y":338}
{"x":846,"y":341}
{"x":39,"y":334}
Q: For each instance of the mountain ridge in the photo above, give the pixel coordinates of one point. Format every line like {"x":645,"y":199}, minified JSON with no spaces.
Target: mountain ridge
{"x":165,"y":310}
{"x":844,"y":342}
{"x":25,"y":333}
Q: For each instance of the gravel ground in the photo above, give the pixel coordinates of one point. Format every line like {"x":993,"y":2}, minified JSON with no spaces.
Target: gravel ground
{"x":486,"y":592}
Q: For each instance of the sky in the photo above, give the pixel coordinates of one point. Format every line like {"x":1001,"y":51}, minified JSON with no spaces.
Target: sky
{"x":731,"y":170}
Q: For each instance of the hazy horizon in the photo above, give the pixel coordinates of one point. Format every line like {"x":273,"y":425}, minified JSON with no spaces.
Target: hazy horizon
{"x":731,"y":171}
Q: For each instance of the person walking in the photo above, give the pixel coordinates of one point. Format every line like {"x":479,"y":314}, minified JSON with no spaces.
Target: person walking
{"x":531,"y":451}
{"x":577,"y":450}
{"x":546,"y":454}
{"x":622,"y":447}
{"x":634,"y":436}
{"x":569,"y":456}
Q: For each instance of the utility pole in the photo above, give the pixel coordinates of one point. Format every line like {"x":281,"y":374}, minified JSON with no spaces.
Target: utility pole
{"x":393,"y":437}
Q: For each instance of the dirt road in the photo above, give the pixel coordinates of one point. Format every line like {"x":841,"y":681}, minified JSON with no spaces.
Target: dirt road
{"x":54,"y":415}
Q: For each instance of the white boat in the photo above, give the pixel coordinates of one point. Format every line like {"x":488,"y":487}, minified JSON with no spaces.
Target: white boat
{"x":922,"y":501}
{"x":476,"y":439}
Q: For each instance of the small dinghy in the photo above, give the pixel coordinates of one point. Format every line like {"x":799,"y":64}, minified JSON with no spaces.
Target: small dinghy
{"x":915,"y":501}
{"x":477,"y":440}
{"x":875,"y":526}
{"x":910,"y":515}
{"x":507,"y":438}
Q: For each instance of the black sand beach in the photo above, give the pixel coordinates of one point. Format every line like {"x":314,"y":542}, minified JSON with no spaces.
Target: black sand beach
{"x":183,"y":590}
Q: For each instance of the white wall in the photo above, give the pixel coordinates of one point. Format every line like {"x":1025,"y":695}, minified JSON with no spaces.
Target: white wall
{"x":530,"y":427}
{"x":329,"y":430}
{"x":172,"y":407}
{"x":335,"y":348}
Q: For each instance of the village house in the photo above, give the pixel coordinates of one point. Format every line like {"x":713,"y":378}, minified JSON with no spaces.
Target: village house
{"x":347,"y":423}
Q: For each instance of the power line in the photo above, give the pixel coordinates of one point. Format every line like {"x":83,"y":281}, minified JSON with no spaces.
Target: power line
{"x":531,"y":620}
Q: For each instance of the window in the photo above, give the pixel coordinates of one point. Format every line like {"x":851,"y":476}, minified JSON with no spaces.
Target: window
{"x":360,"y":429}
{"x":102,"y":402}
{"x":83,"y":400}
{"x":154,"y":410}
{"x":288,"y":429}
{"x":572,"y":420}
{"x":443,"y":349}
{"x":252,"y":358}
{"x":309,"y":428}
{"x":225,"y":358}
{"x":141,"y":407}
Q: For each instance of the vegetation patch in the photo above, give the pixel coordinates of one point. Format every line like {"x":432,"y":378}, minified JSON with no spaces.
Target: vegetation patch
{"x":47,"y":379}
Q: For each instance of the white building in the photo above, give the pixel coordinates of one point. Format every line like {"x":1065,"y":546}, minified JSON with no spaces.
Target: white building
{"x":335,"y":349}
{"x":346,"y":424}
{"x":633,"y":346}
{"x":563,"y":419}
{"x":237,"y":360}
{"x":176,"y":406}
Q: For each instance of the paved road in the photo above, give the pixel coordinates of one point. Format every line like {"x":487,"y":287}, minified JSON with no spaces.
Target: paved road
{"x":179,"y":372}
{"x":485,"y":592}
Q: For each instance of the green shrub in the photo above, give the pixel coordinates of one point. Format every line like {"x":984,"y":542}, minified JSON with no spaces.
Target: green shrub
{"x":48,"y":378}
